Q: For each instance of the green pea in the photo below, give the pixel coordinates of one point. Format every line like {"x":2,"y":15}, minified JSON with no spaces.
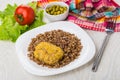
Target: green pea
{"x":56,"y":9}
{"x":62,"y":12}
{"x":61,"y":9}
{"x":65,"y":8}
{"x":47,"y":10}
{"x":54,"y":6}
{"x":58,"y":12}
{"x":55,"y":13}
{"x":57,"y":6}
{"x":52,"y":12}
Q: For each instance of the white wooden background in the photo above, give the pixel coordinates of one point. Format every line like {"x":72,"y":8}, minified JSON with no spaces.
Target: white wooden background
{"x":109,"y":69}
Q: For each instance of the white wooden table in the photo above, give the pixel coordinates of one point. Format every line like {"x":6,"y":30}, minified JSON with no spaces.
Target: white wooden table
{"x":109,"y":69}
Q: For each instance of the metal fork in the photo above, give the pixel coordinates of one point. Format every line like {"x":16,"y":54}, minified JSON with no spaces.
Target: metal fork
{"x":110,"y":27}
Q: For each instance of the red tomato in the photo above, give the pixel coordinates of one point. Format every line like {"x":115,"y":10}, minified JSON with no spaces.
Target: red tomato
{"x":24,"y":15}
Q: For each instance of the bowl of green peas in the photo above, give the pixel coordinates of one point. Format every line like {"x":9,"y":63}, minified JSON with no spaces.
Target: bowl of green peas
{"x":56,"y":11}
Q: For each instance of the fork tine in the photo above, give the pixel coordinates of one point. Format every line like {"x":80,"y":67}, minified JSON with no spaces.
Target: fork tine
{"x":108,"y":23}
{"x":114,"y":23}
{"x":111,"y":23}
{"x":115,"y":19}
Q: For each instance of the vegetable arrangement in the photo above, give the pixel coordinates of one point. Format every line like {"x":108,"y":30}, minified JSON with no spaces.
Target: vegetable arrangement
{"x":12,"y":26}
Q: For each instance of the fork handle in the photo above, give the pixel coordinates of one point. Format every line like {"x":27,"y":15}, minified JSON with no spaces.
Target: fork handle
{"x":100,"y":53}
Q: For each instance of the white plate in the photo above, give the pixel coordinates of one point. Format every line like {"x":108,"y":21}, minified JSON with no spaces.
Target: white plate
{"x":24,"y":40}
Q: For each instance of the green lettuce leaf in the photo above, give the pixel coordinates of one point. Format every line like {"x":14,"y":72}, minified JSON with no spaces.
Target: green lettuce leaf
{"x":10,"y":29}
{"x":38,"y":20}
{"x":10,"y":9}
{"x":4,"y":34}
{"x":33,"y":5}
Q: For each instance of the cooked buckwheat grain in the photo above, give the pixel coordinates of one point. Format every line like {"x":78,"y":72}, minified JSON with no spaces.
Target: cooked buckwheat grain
{"x":70,"y":44}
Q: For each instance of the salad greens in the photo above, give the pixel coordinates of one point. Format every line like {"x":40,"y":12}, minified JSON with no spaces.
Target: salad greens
{"x":10,"y":29}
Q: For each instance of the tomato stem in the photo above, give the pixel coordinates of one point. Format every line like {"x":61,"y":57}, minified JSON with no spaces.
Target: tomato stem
{"x":20,"y":18}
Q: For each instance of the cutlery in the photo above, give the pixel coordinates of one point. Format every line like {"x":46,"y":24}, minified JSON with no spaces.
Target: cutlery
{"x":110,"y":27}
